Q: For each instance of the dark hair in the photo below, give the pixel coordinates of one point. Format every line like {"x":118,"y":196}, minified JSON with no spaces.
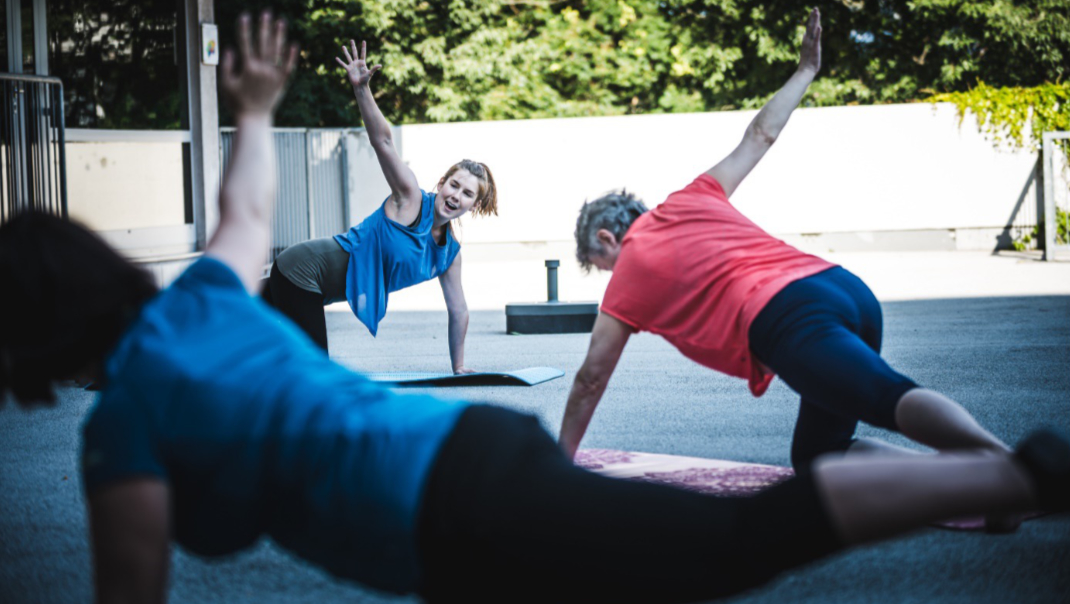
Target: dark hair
{"x":67,"y":298}
{"x":615,"y":211}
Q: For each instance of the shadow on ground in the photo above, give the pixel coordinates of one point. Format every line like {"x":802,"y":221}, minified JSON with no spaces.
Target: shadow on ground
{"x":1006,"y":359}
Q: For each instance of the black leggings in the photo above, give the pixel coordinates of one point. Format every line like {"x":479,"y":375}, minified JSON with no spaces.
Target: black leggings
{"x":508,"y":518}
{"x":822,"y":336}
{"x":303,"y":307}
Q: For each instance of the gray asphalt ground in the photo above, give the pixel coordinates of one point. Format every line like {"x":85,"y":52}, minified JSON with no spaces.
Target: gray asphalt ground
{"x":1006,"y":359}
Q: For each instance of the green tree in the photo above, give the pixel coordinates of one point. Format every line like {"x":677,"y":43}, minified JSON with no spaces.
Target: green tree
{"x":452,"y":60}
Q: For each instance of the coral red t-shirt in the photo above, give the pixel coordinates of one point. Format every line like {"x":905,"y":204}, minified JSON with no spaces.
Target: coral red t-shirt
{"x":697,"y":272}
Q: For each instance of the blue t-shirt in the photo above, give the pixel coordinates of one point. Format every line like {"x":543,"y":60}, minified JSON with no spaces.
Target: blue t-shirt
{"x":385,"y":256}
{"x":257,"y":432}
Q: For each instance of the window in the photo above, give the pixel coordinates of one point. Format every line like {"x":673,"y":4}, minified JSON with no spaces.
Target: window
{"x":123,"y":66}
{"x":120,"y":62}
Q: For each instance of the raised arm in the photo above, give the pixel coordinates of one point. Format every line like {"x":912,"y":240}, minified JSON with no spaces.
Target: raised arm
{"x":404,"y":204}
{"x":457,"y":308}
{"x":766,"y":126}
{"x":248,"y":193}
{"x":607,"y":342}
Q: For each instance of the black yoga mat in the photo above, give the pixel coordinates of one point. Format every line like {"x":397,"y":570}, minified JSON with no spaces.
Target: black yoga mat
{"x":520,"y":377}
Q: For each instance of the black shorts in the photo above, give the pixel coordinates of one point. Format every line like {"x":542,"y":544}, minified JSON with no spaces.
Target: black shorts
{"x":508,"y":518}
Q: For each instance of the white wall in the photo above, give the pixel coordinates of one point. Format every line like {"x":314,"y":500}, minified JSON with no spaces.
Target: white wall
{"x":125,"y":185}
{"x":839,"y":169}
{"x":875,"y":177}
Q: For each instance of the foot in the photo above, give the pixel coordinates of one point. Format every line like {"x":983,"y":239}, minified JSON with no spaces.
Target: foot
{"x":1046,"y":457}
{"x":1003,"y":523}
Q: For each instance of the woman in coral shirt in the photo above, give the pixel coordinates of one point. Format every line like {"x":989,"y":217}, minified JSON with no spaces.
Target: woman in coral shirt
{"x":733,"y":298}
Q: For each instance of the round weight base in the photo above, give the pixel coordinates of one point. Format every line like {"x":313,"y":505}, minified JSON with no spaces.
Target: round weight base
{"x":550,"y":317}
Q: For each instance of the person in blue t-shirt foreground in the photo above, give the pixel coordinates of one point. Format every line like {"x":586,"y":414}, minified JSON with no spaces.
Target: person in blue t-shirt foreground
{"x":218,"y":424}
{"x":408,"y":240}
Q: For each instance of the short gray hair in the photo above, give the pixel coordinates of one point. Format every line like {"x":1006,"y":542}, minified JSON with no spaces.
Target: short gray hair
{"x":615,"y":212}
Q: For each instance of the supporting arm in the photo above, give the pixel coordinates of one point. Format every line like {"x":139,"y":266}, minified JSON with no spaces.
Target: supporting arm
{"x":130,"y":530}
{"x":457,"y":308}
{"x":607,"y":343}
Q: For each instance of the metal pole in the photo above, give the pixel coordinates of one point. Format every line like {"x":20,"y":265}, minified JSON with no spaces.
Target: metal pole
{"x":551,"y":280}
{"x":62,"y":142}
{"x":309,"y":175}
{"x":1050,"y":227}
{"x":343,"y":141}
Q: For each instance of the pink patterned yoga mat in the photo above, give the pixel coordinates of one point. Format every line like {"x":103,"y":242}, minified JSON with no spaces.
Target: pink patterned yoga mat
{"x":709,"y":476}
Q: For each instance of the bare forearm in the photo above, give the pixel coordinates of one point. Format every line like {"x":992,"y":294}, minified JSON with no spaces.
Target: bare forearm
{"x":249,"y":185}
{"x":582,"y":401}
{"x":774,"y":115}
{"x":374,"y":121}
{"x":458,"y":329}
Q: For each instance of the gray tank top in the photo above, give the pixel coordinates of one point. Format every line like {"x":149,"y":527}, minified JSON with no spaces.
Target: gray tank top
{"x":318,"y":266}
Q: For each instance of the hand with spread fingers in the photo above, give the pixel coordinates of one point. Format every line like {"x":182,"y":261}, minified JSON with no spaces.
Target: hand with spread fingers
{"x":356,"y":65}
{"x":266,"y":65}
{"x":810,"y":55}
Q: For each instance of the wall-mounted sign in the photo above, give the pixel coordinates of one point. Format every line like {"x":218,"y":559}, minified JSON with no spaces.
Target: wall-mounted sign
{"x":209,"y":44}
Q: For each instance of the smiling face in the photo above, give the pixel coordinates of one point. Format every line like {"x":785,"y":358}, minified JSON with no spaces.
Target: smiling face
{"x":457,"y":193}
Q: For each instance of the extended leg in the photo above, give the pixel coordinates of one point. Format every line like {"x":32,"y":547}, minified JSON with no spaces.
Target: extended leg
{"x":506,"y":512}
{"x":933,"y":419}
{"x":880,"y":497}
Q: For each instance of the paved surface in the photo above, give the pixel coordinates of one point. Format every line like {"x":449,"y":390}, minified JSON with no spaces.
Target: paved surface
{"x":1006,"y":358}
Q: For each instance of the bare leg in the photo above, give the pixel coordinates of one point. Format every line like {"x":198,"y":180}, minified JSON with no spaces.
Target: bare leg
{"x":932,"y":419}
{"x":882,"y":496}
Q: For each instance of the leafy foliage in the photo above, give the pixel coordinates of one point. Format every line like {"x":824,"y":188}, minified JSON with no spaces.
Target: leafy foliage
{"x":452,"y":60}
{"x":1005,"y":113}
{"x":1029,"y":241}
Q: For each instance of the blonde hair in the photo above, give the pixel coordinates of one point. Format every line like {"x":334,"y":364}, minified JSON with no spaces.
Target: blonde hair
{"x":487,"y":197}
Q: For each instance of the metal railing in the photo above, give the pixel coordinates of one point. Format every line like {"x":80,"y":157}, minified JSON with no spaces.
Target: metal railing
{"x":32,"y":145}
{"x":312,"y":198}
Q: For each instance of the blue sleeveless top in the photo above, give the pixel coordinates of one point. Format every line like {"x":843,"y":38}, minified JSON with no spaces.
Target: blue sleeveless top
{"x":385,"y":256}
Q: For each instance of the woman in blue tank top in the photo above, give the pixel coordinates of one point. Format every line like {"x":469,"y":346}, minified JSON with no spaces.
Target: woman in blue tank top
{"x":408,"y":240}
{"x":218,"y":424}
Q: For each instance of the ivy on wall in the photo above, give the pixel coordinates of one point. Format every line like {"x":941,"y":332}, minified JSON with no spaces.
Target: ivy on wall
{"x":1004,"y":114}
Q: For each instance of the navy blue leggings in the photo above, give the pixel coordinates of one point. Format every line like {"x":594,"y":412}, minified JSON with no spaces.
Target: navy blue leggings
{"x":822,"y":336}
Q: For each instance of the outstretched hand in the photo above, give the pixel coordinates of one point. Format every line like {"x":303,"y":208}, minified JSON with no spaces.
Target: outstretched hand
{"x":810,"y":56}
{"x":266,"y":66}
{"x":356,"y":66}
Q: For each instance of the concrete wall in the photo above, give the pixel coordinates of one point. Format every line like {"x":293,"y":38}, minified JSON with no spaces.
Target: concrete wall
{"x":852,"y":171}
{"x":125,"y":185}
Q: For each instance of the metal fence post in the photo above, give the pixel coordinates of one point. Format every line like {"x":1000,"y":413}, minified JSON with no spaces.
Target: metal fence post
{"x":344,"y":155}
{"x":1047,"y":190}
{"x":1050,"y":228}
{"x":308,"y":184}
